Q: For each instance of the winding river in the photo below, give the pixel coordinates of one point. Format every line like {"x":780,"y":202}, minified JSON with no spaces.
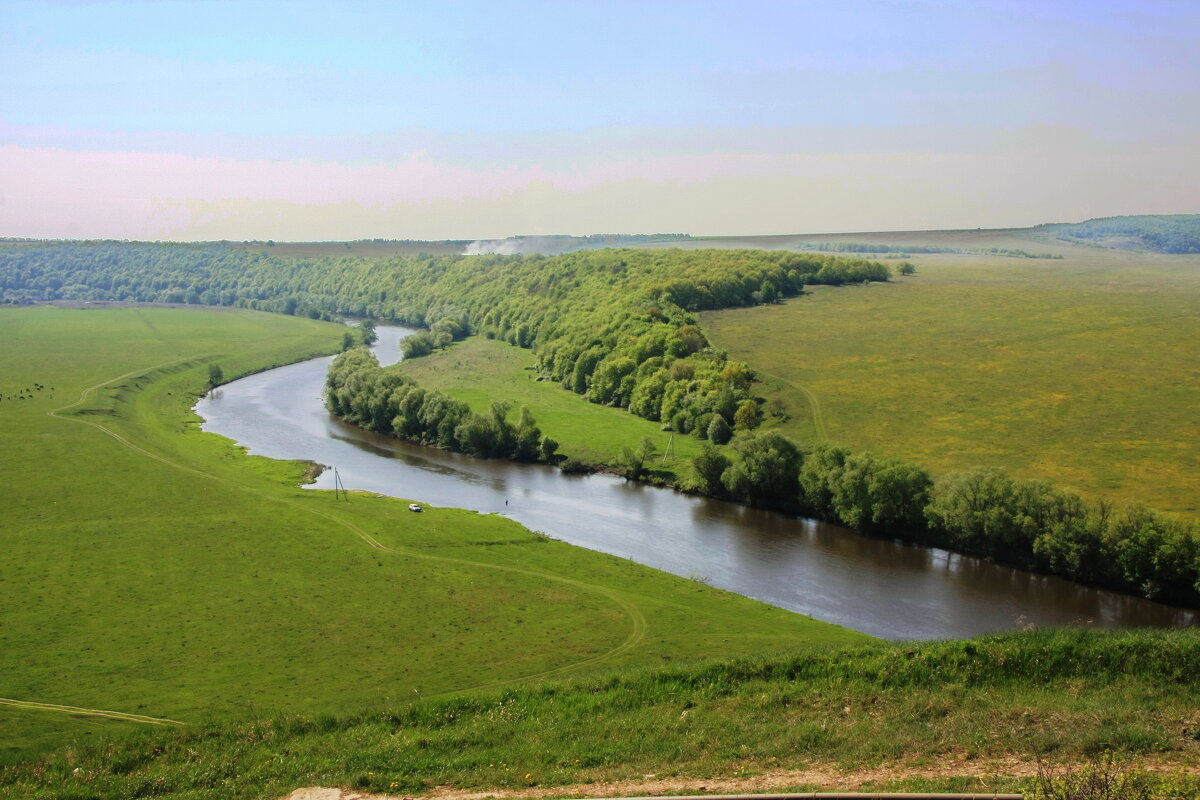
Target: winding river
{"x":883,"y":588}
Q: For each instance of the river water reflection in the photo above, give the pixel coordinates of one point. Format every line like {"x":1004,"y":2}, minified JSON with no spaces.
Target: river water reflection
{"x":825,"y":571}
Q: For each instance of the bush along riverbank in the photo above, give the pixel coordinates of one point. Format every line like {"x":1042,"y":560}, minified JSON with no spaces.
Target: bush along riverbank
{"x":983,"y":512}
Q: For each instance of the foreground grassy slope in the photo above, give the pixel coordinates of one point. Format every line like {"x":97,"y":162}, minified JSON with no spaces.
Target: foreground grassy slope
{"x":974,"y":715}
{"x":1080,"y":371}
{"x":147,"y":567}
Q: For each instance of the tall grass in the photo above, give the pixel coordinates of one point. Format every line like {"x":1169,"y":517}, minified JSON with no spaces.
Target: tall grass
{"x":1061,"y":696}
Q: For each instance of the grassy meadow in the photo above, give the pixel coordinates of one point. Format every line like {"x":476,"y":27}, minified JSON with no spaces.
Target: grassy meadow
{"x":972,"y":716}
{"x":478,"y":370}
{"x":149,"y":568}
{"x":1081,"y":371}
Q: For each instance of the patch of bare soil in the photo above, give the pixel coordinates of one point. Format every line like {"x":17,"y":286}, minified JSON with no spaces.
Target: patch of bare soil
{"x":830,"y":779}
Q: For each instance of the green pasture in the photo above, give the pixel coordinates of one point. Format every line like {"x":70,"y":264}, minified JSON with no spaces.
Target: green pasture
{"x":975,"y":713}
{"x":1082,"y":371}
{"x":479,"y":370}
{"x":149,"y":568}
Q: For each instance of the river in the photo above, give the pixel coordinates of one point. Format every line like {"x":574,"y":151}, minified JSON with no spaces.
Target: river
{"x":883,"y":588}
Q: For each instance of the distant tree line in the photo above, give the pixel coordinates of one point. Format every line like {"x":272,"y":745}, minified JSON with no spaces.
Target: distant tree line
{"x":908,"y":249}
{"x":1162,"y":233}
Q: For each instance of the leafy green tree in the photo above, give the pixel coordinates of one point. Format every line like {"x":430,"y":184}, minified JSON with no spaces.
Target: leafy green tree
{"x":747,"y":416}
{"x":527,"y":438}
{"x":708,"y":465}
{"x":476,"y":435}
{"x":367,"y":330}
{"x":977,"y":511}
{"x":719,"y":431}
{"x":764,"y":470}
{"x":215,"y":375}
{"x":416,"y":345}
{"x":634,"y":459}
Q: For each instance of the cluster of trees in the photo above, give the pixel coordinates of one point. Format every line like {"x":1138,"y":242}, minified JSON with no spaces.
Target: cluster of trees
{"x":1162,"y":233}
{"x":984,"y":512}
{"x":358,"y":390}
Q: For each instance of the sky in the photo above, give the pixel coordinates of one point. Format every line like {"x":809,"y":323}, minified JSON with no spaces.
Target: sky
{"x":432,"y":120}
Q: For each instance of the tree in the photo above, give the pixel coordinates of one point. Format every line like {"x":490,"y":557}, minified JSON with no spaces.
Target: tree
{"x":347,"y":341}
{"x":765,"y":471}
{"x":708,"y":465}
{"x":906,"y":268}
{"x":977,"y":511}
{"x":528,"y":437}
{"x":747,"y":416}
{"x":215,"y":375}
{"x":718,"y":430}
{"x":368,"y":332}
{"x":417,"y":345}
{"x":635,"y":458}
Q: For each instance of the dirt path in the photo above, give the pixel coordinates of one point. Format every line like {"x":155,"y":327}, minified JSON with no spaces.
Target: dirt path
{"x":983,"y":775}
{"x":814,"y":405}
{"x":88,"y":712}
{"x":828,"y":778}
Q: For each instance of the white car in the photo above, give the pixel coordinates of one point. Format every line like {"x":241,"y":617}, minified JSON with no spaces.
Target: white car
{"x":414,"y":506}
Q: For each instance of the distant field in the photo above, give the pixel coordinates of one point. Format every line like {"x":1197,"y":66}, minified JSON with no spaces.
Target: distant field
{"x":480,"y":370}
{"x":365,"y":249}
{"x":1083,"y":371}
{"x":1028,"y":239}
{"x":149,"y":568}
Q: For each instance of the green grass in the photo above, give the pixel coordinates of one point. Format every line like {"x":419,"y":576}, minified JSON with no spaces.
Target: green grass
{"x":479,"y":370}
{"x":1081,"y":371}
{"x":148,"y":567}
{"x":977,"y":710}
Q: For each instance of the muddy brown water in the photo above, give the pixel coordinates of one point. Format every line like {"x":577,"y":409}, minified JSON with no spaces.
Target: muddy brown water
{"x":883,"y":588}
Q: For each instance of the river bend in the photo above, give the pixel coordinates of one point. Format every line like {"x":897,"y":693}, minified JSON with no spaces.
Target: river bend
{"x":883,"y":588}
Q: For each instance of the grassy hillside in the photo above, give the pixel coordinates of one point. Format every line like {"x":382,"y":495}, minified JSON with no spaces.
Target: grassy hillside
{"x":1080,"y":371}
{"x":964,"y":716}
{"x":149,"y":568}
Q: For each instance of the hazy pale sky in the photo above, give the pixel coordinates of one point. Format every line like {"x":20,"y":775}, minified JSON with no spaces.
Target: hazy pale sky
{"x":304,"y":120}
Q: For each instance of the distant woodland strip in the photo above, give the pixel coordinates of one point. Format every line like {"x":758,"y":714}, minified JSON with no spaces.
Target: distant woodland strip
{"x":617,"y":326}
{"x":871,"y":248}
{"x":1160,"y":233}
